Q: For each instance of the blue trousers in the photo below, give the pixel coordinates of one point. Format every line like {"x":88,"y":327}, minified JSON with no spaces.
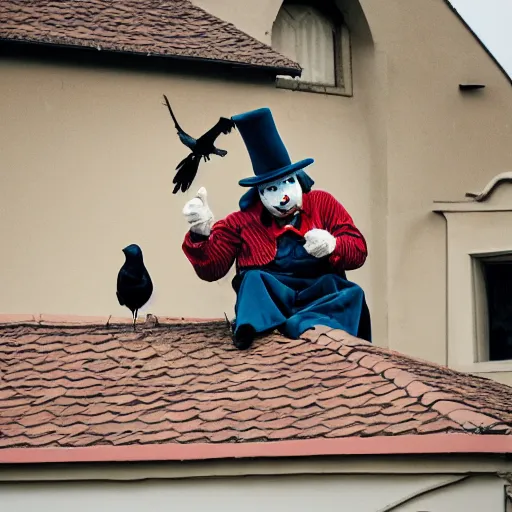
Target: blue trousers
{"x":267,"y":300}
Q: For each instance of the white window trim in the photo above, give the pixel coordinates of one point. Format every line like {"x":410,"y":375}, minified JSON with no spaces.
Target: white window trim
{"x":343,"y":71}
{"x":476,"y":228}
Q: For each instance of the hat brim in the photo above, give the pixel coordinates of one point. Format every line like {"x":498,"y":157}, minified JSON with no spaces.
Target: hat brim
{"x":275,"y":175}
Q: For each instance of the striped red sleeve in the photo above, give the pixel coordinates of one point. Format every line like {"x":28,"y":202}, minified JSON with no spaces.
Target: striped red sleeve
{"x":212,"y":256}
{"x":351,"y":250}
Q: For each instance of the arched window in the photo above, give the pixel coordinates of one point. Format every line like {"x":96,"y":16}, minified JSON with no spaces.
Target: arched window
{"x":318,"y":41}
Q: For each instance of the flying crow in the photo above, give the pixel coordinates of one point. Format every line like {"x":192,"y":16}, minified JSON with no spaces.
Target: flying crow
{"x":201,"y":148}
{"x":134,"y":285}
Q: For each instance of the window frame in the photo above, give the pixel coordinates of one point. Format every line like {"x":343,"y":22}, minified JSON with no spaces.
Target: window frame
{"x":474,"y":233}
{"x":481,"y":309}
{"x":342,"y":65}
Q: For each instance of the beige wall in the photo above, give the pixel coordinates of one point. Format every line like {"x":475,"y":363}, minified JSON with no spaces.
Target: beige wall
{"x":439,"y":145}
{"x":428,"y":140}
{"x":87,"y":159}
{"x":364,"y":493}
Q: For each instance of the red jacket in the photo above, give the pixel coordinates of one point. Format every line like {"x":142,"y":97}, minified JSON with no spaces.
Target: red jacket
{"x":243,"y":237}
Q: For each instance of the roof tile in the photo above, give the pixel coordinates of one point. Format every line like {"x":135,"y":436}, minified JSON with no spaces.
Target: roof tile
{"x":184,"y":383}
{"x":166,"y":28}
{"x":347,"y":431}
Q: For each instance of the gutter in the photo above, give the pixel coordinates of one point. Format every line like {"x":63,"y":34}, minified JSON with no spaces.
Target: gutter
{"x":428,"y":444}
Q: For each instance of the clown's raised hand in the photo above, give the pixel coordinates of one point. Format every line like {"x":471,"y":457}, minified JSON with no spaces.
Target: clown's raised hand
{"x":319,"y":243}
{"x":198,"y":213}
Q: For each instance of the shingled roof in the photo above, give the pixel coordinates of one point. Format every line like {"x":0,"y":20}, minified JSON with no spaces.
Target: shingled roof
{"x":174,"y":28}
{"x":80,"y":384}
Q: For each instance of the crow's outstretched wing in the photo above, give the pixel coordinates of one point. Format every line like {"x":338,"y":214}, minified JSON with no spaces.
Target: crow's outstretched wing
{"x":187,"y":170}
{"x":185,"y":138}
{"x":224,"y":125}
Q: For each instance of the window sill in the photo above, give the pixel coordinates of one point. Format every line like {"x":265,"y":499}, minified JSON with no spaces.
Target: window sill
{"x":485,"y":367}
{"x":296,"y":85}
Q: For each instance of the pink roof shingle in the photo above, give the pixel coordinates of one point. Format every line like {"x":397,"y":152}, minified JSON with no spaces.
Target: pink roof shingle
{"x":82,"y":384}
{"x":168,"y":28}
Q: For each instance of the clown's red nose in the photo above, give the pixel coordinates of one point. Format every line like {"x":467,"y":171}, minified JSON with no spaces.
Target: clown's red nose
{"x":284,"y":200}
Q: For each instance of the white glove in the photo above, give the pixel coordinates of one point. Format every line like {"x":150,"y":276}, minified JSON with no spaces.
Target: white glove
{"x":319,"y":243}
{"x":198,"y":214}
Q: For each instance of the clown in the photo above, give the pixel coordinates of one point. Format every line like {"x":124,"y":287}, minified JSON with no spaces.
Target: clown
{"x":291,"y":245}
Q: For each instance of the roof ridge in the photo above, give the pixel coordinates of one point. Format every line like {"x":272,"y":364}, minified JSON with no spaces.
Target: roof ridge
{"x":432,"y":397}
{"x":47,"y":320}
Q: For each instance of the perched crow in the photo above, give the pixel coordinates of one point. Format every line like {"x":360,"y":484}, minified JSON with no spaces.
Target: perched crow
{"x":134,"y":286}
{"x":201,"y":148}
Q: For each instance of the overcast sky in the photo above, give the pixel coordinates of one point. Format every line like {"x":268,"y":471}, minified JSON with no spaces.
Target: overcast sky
{"x":491,"y":21}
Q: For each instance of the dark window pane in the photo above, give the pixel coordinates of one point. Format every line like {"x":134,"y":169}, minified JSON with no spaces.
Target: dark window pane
{"x":498,"y":284}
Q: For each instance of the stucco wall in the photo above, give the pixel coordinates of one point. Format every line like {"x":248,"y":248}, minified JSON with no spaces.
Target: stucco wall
{"x":440,"y":144}
{"x":364,"y":493}
{"x":87,"y":159}
{"x":430,"y":142}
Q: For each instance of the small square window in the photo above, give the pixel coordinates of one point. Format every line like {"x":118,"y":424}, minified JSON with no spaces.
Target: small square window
{"x":493,"y":297}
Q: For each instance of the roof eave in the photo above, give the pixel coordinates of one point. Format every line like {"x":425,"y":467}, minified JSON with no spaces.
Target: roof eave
{"x":276,"y":70}
{"x":428,"y":444}
{"x":480,"y":42}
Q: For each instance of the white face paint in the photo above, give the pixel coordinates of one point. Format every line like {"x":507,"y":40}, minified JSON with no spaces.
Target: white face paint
{"x":282,"y":197}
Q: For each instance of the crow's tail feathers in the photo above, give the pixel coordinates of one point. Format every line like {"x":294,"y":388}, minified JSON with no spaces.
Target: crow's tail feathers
{"x":176,"y":124}
{"x":186,"y":173}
